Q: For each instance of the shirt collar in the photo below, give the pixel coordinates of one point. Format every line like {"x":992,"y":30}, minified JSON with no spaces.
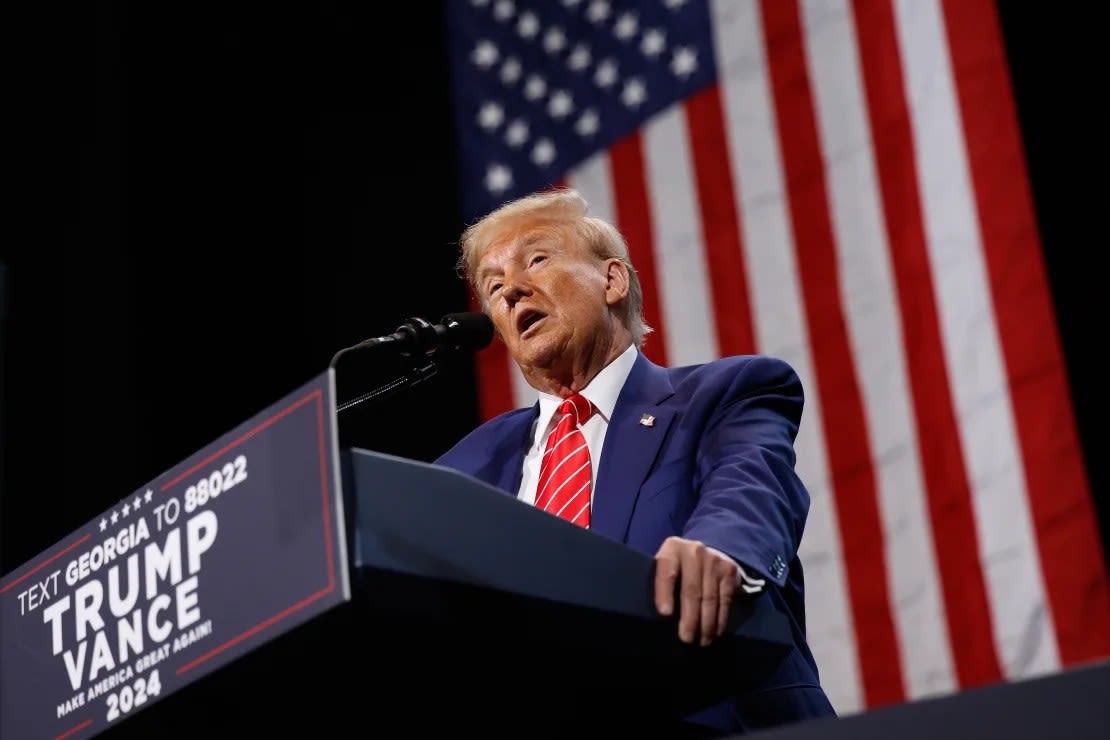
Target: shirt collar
{"x":602,"y":391}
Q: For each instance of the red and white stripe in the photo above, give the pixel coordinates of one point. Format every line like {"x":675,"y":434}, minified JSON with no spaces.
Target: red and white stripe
{"x":852,"y":197}
{"x":564,"y":483}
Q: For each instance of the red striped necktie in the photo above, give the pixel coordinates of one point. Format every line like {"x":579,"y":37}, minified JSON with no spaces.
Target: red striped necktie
{"x":565,"y":475}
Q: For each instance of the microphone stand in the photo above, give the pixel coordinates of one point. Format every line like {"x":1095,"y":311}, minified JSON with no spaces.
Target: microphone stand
{"x":416,"y":373}
{"x":418,"y":339}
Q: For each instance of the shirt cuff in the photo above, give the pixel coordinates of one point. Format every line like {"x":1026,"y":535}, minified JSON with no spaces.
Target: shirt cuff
{"x":748,"y":583}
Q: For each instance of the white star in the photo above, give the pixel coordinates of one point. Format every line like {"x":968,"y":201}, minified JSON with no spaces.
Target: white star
{"x":484,"y":54}
{"x":571,"y":3}
{"x":498,"y":178}
{"x":490,"y":116}
{"x":528,"y":25}
{"x":587,"y":124}
{"x":560,"y":105}
{"x":653,"y":43}
{"x":535,"y":88}
{"x":503,"y":10}
{"x":115,"y":517}
{"x":126,"y":509}
{"x":674,"y":4}
{"x":510,"y":70}
{"x":598,"y":11}
{"x":516,"y":133}
{"x":554,"y":40}
{"x":634,"y":93}
{"x":579,"y":58}
{"x":147,"y":495}
{"x":543,"y":153}
{"x":626,"y":26}
{"x":479,"y":3}
{"x":137,"y":502}
{"x":684,"y":62}
{"x":103,"y":524}
{"x":606,"y":73}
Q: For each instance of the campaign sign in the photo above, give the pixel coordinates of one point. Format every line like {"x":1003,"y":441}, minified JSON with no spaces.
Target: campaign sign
{"x":234,"y":546}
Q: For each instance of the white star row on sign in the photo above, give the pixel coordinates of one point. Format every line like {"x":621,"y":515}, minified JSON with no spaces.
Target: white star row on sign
{"x":128,"y":506}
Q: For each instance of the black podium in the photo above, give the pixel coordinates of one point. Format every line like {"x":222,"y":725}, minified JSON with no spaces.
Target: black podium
{"x":282,"y":586}
{"x":473,"y":613}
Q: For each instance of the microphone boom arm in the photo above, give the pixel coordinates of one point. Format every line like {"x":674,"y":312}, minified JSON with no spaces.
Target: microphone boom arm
{"x":419,"y":340}
{"x":416,"y":374}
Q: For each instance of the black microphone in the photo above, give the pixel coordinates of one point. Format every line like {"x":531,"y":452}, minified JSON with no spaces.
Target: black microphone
{"x":468,"y":331}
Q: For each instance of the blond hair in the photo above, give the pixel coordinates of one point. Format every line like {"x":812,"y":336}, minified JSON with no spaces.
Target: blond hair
{"x":560,"y":207}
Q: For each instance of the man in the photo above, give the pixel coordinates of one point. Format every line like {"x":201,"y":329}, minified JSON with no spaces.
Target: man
{"x":693,"y":465}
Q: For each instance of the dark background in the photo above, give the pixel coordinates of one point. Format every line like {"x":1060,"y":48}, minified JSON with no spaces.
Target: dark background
{"x":210,"y":199}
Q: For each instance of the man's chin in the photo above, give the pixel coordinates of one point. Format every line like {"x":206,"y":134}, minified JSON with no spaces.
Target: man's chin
{"x":535,"y":355}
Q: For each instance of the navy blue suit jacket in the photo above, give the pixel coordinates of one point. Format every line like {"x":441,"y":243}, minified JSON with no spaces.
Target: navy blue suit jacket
{"x":716,"y":465}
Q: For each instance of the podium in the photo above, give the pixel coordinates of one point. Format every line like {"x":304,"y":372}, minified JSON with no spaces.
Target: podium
{"x":303,"y":587}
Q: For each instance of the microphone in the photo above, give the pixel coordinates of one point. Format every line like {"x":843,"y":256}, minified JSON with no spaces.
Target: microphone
{"x":468,"y":331}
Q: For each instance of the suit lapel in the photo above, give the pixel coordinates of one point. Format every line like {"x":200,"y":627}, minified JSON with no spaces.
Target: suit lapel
{"x":504,"y":466}
{"x":632,"y":443}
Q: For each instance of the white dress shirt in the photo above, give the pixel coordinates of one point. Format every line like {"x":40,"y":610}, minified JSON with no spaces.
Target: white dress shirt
{"x":602,"y":392}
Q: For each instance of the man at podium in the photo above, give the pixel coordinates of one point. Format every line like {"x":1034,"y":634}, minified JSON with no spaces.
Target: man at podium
{"x":691,"y":465}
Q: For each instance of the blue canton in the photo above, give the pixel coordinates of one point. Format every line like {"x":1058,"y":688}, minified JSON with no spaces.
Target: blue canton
{"x":539,"y":87}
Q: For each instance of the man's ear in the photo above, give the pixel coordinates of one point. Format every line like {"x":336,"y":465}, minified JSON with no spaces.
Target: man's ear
{"x":616,"y":281}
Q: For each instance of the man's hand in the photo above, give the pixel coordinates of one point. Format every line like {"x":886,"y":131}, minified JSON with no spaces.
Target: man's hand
{"x":707,"y":579}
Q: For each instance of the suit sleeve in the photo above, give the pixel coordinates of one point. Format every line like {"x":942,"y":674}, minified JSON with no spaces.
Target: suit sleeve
{"x":751,"y":503}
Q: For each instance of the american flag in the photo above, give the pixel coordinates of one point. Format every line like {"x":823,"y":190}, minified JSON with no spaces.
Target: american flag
{"x":842,"y":185}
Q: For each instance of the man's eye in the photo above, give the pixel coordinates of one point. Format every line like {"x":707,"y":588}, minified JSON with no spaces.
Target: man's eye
{"x":494,"y":287}
{"x":537,"y":259}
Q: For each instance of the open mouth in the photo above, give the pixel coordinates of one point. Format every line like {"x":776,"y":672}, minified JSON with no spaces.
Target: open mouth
{"x":527,"y":319}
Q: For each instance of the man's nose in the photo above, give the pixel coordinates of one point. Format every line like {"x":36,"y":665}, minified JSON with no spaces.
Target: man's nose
{"x":515,"y":286}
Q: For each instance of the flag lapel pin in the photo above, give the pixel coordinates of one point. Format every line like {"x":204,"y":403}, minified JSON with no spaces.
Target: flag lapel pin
{"x":647,"y":420}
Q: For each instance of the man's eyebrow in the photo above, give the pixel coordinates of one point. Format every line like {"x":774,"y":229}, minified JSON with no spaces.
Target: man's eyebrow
{"x":483,"y":272}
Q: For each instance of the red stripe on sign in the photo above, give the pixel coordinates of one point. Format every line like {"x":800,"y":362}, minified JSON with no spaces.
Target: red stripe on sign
{"x":1059,"y":493}
{"x":633,"y":217}
{"x":853,"y":476}
{"x":955,"y":539}
{"x":720,"y":222}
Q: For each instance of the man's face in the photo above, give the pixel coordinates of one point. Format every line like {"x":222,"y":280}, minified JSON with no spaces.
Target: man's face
{"x":549,"y":298}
